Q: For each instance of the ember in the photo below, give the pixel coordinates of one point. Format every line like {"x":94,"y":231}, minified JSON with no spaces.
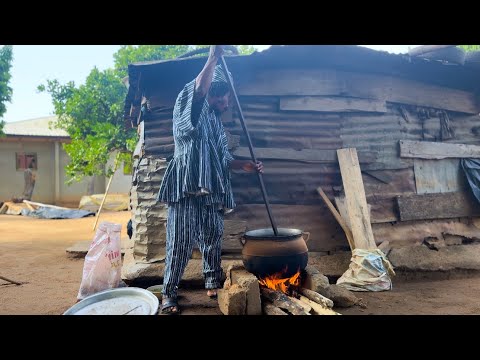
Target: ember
{"x":278,"y":283}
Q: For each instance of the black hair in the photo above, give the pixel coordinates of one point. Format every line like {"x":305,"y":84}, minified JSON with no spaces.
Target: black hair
{"x":218,"y":89}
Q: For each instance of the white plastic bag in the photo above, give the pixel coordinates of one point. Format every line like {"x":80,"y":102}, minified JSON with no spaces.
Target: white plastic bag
{"x":103,"y":262}
{"x":369,"y":270}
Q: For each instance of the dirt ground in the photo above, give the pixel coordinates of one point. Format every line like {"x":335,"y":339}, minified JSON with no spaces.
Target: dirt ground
{"x":33,"y":251}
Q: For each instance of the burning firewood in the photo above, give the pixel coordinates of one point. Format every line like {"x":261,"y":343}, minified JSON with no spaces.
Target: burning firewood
{"x":318,"y":309}
{"x":316,"y":297}
{"x":270,"y":309}
{"x":282,"y":301}
{"x":304,"y":305}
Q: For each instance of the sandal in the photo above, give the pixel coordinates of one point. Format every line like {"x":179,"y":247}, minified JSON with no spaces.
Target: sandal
{"x":212,"y":293}
{"x":170,"y":306}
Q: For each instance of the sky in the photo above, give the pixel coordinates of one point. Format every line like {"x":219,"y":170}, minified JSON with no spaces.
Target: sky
{"x":35,"y":64}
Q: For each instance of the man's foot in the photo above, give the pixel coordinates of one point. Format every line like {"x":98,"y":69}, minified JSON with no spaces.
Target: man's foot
{"x":170,"y":306}
{"x":212,"y":293}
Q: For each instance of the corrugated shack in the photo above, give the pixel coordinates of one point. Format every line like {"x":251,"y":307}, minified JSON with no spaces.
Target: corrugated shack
{"x":410,"y":119}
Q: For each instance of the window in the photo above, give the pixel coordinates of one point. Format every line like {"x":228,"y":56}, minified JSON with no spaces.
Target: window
{"x":26,"y":160}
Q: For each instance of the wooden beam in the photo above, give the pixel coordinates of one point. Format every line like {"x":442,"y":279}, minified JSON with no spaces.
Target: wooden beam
{"x":423,"y":49}
{"x":338,"y":217}
{"x":383,"y":88}
{"x":356,"y":201}
{"x":437,"y":206}
{"x":327,"y":156}
{"x":437,"y":150}
{"x":332,"y":104}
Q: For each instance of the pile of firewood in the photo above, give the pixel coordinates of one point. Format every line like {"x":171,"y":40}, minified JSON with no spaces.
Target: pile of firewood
{"x":306,"y":302}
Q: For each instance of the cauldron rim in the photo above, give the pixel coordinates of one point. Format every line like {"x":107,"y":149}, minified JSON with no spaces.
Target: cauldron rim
{"x":268,"y":234}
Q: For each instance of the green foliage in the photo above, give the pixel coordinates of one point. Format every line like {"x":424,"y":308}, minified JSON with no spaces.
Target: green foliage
{"x":470,"y":47}
{"x":245,"y":49}
{"x":6,"y":57}
{"x":129,"y":54}
{"x":92,"y":113}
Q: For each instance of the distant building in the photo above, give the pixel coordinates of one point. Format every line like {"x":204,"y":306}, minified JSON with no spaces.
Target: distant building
{"x":36,"y":140}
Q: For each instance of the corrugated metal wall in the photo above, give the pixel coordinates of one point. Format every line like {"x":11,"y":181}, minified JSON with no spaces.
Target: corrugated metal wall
{"x":292,"y":183}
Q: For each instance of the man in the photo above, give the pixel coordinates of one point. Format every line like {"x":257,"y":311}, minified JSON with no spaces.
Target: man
{"x":196,"y":185}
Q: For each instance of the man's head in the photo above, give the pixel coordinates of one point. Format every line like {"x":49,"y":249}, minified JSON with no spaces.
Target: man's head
{"x":219,"y":93}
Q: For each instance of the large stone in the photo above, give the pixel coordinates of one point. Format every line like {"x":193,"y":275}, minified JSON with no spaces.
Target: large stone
{"x":233,"y":301}
{"x":249,"y":282}
{"x":421,"y":258}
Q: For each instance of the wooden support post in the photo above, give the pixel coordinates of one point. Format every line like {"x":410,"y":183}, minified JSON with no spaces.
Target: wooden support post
{"x":355,"y":199}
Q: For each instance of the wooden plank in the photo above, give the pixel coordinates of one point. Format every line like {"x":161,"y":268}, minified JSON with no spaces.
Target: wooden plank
{"x":438,"y":176}
{"x":327,"y":156}
{"x":359,"y":85}
{"x":356,"y":201}
{"x":437,"y":206}
{"x":342,"y":209}
{"x":339,"y":218}
{"x":332,"y":104}
{"x":401,"y":182}
{"x":437,"y":150}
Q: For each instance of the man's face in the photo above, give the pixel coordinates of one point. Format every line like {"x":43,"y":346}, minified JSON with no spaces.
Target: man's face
{"x":219,"y":103}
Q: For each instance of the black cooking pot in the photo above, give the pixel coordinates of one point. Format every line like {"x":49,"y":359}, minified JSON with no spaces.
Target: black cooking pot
{"x":265,"y":253}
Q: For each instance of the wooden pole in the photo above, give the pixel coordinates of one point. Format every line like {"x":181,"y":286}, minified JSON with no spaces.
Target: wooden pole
{"x":339,"y":218}
{"x":10,"y":281}
{"x":355,"y":199}
{"x":250,"y":147}
{"x":106,"y":192}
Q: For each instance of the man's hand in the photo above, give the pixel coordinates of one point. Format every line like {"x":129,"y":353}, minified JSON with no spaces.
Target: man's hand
{"x":246,"y":165}
{"x":250,"y":166}
{"x":216,"y":51}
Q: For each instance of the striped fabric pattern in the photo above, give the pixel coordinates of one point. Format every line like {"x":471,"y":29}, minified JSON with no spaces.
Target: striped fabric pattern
{"x":201,"y":159}
{"x":197,"y":187}
{"x":190,"y":221}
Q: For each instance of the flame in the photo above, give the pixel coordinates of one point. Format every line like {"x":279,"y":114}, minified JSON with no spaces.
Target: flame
{"x":276,"y":282}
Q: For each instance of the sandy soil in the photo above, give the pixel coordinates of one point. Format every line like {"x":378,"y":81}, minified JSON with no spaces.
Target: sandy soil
{"x":33,"y":251}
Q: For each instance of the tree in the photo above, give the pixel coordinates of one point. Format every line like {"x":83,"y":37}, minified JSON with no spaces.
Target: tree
{"x":470,"y":47}
{"x":129,"y":53}
{"x":6,"y":57}
{"x":92,"y":114}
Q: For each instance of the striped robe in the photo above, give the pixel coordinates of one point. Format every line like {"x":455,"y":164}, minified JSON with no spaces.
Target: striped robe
{"x":197,"y":188}
{"x":201,"y":159}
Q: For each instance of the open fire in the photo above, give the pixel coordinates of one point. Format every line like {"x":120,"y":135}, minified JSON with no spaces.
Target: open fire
{"x":278,"y":282}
